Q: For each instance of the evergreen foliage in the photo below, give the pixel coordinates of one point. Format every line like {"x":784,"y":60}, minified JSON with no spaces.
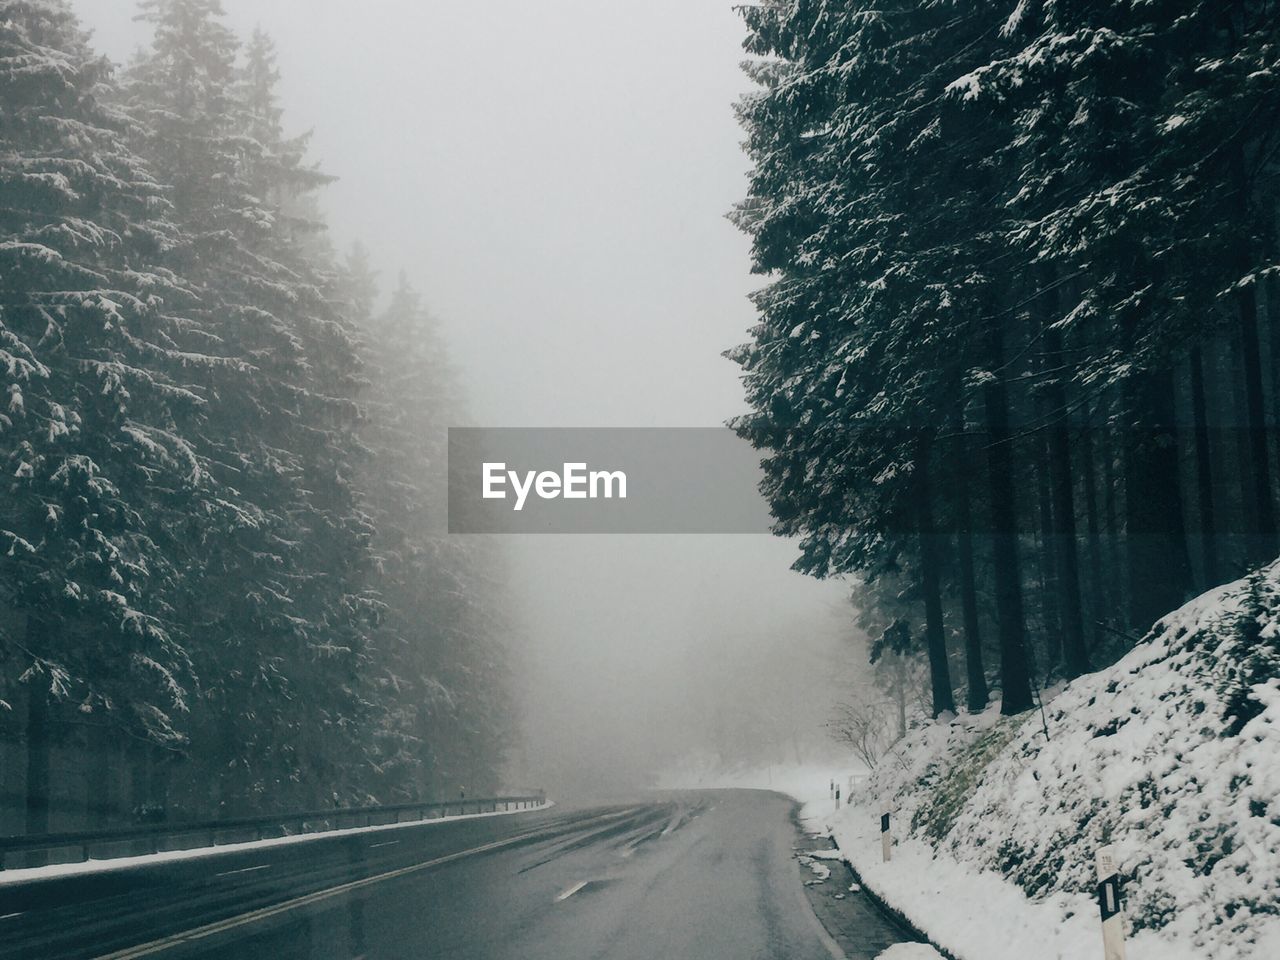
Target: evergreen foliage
{"x":996,"y":235}
{"x":217,"y":550}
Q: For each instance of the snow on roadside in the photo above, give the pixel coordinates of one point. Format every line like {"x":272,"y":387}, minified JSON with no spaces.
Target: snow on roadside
{"x":808,"y":783}
{"x":995,"y":829}
{"x":909,"y":951}
{"x":27,"y":874}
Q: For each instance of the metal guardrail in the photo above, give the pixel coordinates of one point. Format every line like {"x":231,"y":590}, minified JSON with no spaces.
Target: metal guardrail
{"x":151,"y":837}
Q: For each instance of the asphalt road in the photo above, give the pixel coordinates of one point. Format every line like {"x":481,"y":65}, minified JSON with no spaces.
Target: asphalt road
{"x":699,"y":876}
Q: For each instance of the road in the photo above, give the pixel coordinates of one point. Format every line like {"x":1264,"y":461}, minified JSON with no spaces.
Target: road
{"x":698,"y":876}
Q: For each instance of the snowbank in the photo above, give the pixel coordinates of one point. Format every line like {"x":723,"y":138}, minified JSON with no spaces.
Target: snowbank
{"x":910,"y":951}
{"x":1172,"y":756}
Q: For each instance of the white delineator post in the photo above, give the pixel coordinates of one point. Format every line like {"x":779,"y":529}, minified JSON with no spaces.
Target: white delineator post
{"x":886,"y":839}
{"x":1109,"y":905}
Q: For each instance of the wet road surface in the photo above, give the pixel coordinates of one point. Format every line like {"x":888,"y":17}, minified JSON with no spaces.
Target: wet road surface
{"x":709,"y":875}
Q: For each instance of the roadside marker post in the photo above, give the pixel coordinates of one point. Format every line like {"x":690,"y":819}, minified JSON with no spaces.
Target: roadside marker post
{"x":837,"y":798}
{"x":886,"y":839}
{"x":1109,"y":905}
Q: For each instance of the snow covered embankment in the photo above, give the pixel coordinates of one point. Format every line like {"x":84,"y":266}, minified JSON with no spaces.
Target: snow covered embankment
{"x":1172,"y":756}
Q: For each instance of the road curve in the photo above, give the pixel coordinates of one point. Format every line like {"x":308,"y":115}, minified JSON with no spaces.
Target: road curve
{"x":702,"y":876}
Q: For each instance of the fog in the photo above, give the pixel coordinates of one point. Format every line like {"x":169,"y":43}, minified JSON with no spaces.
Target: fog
{"x":554,"y":177}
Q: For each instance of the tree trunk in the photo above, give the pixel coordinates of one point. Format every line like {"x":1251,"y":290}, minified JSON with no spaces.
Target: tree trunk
{"x":900,"y":693}
{"x":1015,"y":679}
{"x":1050,"y":623}
{"x":931,"y":586}
{"x":1268,"y":305}
{"x":39,"y":746}
{"x":1097,"y":595}
{"x":1204,"y":471}
{"x":139,"y":781}
{"x":1115,"y":580}
{"x":1263,"y":534}
{"x":1075,"y":657}
{"x":977,"y":695}
{"x":1159,"y":566}
{"x":38,"y":755}
{"x":1238,"y":419}
{"x":100,"y":790}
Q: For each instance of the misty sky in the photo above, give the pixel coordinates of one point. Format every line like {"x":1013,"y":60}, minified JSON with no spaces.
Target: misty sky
{"x":554,"y":177}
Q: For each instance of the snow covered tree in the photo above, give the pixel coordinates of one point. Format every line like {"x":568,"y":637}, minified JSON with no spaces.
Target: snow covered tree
{"x":438,"y":655}
{"x":279,"y":555}
{"x":1015,"y":219}
{"x":195,"y":491}
{"x":95,"y":403}
{"x":867,"y":330}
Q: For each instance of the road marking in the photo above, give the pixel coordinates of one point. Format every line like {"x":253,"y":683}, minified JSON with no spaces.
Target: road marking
{"x":387,"y":843}
{"x":566,"y":894}
{"x":263,"y":913}
{"x":10,"y":916}
{"x":232,"y":873}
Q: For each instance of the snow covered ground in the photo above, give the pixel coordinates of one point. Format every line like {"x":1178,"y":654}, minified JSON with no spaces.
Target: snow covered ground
{"x":910,"y":951}
{"x":1172,"y":756}
{"x":806,"y":782}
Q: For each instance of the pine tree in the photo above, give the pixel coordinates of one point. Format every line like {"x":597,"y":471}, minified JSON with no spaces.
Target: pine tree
{"x":279,"y":556}
{"x":96,"y":402}
{"x":438,"y":656}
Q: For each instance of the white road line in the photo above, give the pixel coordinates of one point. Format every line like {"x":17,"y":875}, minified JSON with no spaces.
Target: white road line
{"x":566,"y":894}
{"x":156,"y":946}
{"x":387,"y":843}
{"x":232,"y":873}
{"x":10,"y":916}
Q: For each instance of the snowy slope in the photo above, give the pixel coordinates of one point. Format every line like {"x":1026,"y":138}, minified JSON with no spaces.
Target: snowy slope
{"x":1172,"y":756}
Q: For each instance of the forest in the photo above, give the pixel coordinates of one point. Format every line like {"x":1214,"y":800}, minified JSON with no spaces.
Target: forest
{"x":1015,"y":370}
{"x":224,"y":584}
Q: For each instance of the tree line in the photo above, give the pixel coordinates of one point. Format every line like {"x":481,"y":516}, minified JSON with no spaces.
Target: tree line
{"x":1014,"y":367}
{"x":224,"y":583}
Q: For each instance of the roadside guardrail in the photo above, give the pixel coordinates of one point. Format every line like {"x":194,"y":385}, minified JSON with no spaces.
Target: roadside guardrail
{"x":158,"y":837}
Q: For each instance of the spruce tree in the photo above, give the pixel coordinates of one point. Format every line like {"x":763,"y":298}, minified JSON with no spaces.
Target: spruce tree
{"x":97,"y":403}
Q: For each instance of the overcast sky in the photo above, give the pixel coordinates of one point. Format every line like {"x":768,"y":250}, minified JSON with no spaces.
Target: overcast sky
{"x":554,"y":177}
